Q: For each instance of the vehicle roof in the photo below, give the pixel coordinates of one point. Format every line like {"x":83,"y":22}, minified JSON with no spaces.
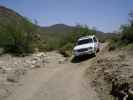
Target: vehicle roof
{"x":86,"y":37}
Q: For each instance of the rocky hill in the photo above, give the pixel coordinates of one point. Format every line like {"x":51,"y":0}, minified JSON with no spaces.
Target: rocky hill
{"x":16,"y":31}
{"x":62,"y":29}
{"x":111,"y":74}
{"x":8,"y":16}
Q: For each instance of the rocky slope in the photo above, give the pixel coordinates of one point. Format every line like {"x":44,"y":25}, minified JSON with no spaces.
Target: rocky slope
{"x":111,"y":74}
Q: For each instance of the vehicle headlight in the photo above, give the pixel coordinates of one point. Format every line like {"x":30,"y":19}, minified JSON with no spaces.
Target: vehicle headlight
{"x":74,"y":51}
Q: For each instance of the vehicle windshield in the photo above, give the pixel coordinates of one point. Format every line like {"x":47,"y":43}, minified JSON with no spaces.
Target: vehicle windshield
{"x":85,"y":41}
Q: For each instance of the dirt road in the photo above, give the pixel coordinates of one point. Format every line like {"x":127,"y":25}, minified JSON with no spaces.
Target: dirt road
{"x":59,"y":80}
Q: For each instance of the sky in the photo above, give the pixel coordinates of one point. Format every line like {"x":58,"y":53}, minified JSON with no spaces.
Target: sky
{"x":105,"y":15}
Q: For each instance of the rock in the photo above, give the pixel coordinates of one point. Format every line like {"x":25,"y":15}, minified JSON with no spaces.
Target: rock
{"x":39,"y":55}
{"x":122,"y":56}
{"x":35,"y":66}
{"x":3,"y":93}
{"x":34,"y":61}
{"x":5,"y":69}
{"x":130,"y":94}
{"x":62,"y":61}
{"x":12,"y":78}
{"x":14,"y":75}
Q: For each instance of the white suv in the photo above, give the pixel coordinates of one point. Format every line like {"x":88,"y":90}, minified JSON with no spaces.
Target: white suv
{"x":86,"y":45}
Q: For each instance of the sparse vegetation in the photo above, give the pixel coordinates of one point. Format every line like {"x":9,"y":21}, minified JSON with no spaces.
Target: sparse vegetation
{"x":64,"y":42}
{"x":16,"y":32}
{"x":18,"y":39}
{"x":20,"y":36}
{"x":69,"y":41}
{"x":125,"y":36}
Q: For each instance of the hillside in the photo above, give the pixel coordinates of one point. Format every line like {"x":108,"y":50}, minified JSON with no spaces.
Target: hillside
{"x":8,"y":16}
{"x":111,"y":74}
{"x":15,"y":27}
{"x":62,"y":29}
{"x":58,"y":28}
{"x":55,"y":31}
{"x":16,"y":32}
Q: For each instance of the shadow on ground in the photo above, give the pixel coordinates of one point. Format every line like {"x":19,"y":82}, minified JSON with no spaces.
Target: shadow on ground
{"x":81,"y":58}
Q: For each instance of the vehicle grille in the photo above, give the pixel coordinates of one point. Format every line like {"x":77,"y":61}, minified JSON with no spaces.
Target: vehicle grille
{"x":82,"y":50}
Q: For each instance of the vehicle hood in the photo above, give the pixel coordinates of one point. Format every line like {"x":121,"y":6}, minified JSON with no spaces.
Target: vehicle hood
{"x":84,"y":46}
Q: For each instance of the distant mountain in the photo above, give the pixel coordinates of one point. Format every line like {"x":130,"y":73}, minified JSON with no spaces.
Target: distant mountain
{"x":8,"y":16}
{"x":58,"y":29}
{"x":62,"y":29}
{"x":59,"y":26}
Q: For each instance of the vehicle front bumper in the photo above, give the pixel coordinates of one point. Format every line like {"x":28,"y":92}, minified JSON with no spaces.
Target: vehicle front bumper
{"x":76,"y":53}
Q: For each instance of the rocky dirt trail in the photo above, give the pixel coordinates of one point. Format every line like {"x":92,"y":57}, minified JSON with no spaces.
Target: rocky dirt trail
{"x":58,"y":80}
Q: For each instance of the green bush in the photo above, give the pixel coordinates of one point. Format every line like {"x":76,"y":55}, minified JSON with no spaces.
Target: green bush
{"x":126,"y":36}
{"x":115,"y":42}
{"x":127,"y":33}
{"x":17,"y":38}
{"x":66,"y":50}
{"x":67,"y":42}
{"x":79,"y":31}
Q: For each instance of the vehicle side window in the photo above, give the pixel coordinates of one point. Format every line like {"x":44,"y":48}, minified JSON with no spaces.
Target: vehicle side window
{"x":95,"y":40}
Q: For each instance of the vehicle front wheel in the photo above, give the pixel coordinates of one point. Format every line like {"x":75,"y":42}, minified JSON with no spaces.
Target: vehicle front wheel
{"x":98,"y":50}
{"x":94,"y":54}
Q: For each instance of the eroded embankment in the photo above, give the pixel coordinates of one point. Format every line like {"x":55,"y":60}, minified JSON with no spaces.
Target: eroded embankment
{"x":111,"y":74}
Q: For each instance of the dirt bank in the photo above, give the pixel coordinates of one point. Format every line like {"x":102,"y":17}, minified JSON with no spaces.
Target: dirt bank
{"x":111,"y":74}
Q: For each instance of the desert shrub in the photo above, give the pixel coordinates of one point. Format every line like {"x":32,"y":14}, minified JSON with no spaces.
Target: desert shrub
{"x":66,"y":50}
{"x":115,"y":42}
{"x":127,"y":33}
{"x":79,"y":31}
{"x":17,"y":38}
{"x":67,"y":43}
{"x":125,"y":36}
{"x":68,"y":46}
